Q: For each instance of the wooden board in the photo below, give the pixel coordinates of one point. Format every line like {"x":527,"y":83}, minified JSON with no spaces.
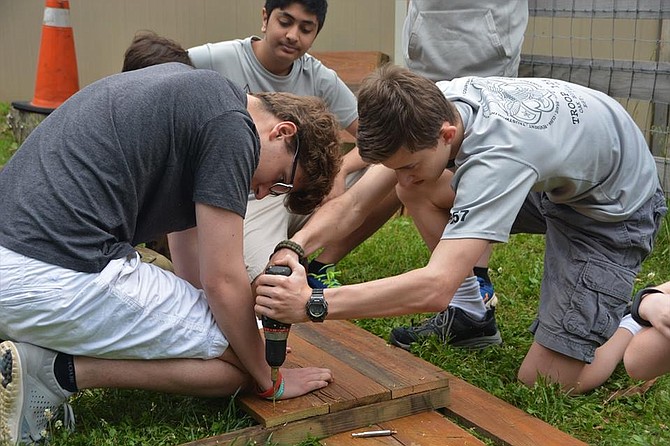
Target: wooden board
{"x":382,"y":387}
{"x":352,"y":66}
{"x":425,"y":429}
{"x":500,"y":421}
{"x":367,"y":371}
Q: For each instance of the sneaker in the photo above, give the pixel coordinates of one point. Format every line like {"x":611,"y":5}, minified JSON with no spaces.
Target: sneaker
{"x":487,"y":292}
{"x":30,"y":397}
{"x":325,"y":278}
{"x":452,"y":326}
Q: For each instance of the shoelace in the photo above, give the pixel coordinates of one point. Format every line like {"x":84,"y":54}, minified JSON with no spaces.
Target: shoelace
{"x":441,"y":324}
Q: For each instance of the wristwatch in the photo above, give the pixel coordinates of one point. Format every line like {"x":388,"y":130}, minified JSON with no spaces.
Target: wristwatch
{"x":317,"y":307}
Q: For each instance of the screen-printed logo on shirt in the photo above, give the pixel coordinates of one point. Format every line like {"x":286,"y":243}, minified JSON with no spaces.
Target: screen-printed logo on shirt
{"x":518,"y":101}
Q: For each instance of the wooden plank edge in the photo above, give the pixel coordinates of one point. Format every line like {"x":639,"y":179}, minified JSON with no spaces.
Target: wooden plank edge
{"x":500,"y":421}
{"x":334,"y":423}
{"x":426,"y":428}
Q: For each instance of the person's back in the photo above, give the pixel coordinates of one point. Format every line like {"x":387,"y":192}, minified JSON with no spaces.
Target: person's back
{"x":140,"y":179}
{"x":443,"y":40}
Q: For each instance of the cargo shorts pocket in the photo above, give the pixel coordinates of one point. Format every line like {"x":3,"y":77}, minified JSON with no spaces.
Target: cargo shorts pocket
{"x":599,"y":300}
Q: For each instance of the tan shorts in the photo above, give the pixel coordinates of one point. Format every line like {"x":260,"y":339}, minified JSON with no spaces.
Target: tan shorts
{"x":267,"y":223}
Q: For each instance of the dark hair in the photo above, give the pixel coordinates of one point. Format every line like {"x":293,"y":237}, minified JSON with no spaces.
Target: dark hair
{"x":398,"y":108}
{"x":319,"y":156}
{"x":317,"y":7}
{"x":148,"y":48}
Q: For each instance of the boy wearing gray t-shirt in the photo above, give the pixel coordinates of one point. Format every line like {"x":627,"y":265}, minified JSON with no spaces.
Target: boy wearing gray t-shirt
{"x":559,"y":159}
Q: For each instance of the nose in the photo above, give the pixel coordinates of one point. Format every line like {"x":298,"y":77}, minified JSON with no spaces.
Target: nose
{"x":405,"y":179}
{"x":292,"y":33}
{"x":261,"y":192}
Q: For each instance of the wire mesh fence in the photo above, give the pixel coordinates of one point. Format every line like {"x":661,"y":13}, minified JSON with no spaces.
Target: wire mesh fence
{"x":620,"y":47}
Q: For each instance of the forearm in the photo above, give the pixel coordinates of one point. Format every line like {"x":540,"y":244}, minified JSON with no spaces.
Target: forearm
{"x":237,"y":320}
{"x":352,"y":162}
{"x":339,"y":217}
{"x":655,"y":308}
{"x":333,"y":221}
{"x":416,"y":291}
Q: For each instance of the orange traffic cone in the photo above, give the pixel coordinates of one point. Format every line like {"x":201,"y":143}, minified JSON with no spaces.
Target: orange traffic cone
{"x":57,"y":77}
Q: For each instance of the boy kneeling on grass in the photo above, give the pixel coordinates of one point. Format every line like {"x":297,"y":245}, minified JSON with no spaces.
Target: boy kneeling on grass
{"x":530,"y":155}
{"x":166,"y":149}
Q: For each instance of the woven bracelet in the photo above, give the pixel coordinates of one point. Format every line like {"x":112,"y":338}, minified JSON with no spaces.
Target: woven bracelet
{"x":635,"y":307}
{"x":275,"y":392}
{"x":293,"y":246}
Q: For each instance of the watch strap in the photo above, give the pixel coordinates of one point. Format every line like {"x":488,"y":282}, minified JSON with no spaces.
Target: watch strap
{"x":635,"y":307}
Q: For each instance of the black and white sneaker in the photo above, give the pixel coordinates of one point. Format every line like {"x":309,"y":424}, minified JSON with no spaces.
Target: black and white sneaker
{"x":452,"y":326}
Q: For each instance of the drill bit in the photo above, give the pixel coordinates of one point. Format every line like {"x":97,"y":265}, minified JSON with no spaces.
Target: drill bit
{"x":274,"y":372}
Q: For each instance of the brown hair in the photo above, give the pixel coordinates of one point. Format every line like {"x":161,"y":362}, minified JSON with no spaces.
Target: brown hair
{"x":148,"y":48}
{"x":319,"y":154}
{"x":398,"y":108}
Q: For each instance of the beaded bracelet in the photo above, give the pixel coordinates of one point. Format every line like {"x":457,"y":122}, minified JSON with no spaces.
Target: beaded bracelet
{"x":275,"y":392}
{"x":635,"y":307}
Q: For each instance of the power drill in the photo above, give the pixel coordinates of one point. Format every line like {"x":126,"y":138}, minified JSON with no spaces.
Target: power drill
{"x":275,"y":333}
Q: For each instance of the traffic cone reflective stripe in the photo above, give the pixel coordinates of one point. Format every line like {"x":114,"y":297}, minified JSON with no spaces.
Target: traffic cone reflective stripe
{"x":57,"y":77}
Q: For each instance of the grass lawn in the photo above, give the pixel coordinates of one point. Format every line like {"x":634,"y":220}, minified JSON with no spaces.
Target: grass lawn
{"x":602,"y":417}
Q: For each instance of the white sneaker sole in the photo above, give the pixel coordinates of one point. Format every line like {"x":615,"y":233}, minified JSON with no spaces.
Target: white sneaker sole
{"x":11,"y":396}
{"x":492,"y":302}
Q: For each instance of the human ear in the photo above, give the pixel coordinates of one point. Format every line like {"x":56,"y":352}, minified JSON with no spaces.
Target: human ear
{"x":266,"y":17}
{"x":448,"y":132}
{"x":284,"y":129}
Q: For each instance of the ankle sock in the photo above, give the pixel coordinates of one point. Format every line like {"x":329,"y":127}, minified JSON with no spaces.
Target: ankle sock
{"x":315,"y":266}
{"x":483,"y":272}
{"x":64,"y":371}
{"x":629,"y":324}
{"x":468,"y":299}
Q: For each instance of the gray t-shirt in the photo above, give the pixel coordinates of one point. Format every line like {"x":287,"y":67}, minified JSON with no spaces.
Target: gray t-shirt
{"x":577,"y":145}
{"x":235,"y":59}
{"x":124,"y":161}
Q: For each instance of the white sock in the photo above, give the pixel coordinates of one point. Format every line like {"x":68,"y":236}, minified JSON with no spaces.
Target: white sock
{"x":629,"y":324}
{"x":468,"y":299}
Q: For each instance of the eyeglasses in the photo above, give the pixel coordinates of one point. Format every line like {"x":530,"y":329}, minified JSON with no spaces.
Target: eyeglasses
{"x":284,"y":188}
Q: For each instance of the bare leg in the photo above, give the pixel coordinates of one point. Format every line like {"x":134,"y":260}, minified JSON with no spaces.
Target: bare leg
{"x":648,"y":355}
{"x":607,"y":357}
{"x":196,"y":377}
{"x":483,"y":261}
{"x":375,"y":220}
{"x":429,"y":207}
{"x":554,"y":367}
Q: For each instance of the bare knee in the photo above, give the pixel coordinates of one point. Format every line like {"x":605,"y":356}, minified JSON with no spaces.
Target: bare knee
{"x":551,"y":367}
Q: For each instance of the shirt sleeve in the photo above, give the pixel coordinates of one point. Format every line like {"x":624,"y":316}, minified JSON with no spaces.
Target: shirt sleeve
{"x":490,"y":191}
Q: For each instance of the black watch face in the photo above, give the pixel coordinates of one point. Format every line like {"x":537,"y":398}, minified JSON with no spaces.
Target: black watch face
{"x":316,"y":309}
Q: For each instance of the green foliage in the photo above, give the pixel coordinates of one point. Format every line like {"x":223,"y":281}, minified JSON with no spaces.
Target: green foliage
{"x":7,"y":144}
